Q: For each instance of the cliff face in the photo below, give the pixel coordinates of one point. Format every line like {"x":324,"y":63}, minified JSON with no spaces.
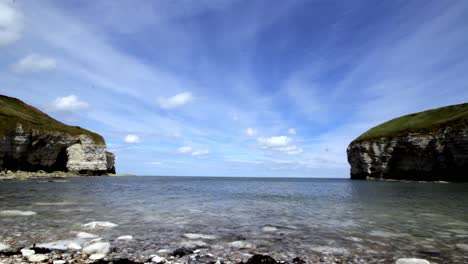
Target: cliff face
{"x":436,"y":151}
{"x":31,"y":141}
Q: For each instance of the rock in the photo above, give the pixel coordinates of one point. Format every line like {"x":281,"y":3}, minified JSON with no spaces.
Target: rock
{"x":463,"y":247}
{"x":240,"y":244}
{"x":62,"y":245}
{"x":157,"y":259}
{"x":27,"y":252}
{"x":97,"y":248}
{"x":408,"y":149}
{"x":269,"y":229}
{"x":261,"y":259}
{"x":330,"y":250}
{"x":59,"y":262}
{"x":32,"y":141}
{"x":17,"y":213}
{"x":412,"y":261}
{"x":98,"y":224}
{"x":298,"y":260}
{"x":37,"y":258}
{"x":97,"y":256}
{"x":128,"y":238}
{"x":193,"y":244}
{"x":199,"y":236}
{"x":180,"y":252}
{"x":164,"y":251}
{"x":74,"y":246}
{"x":4,"y":246}
{"x":85,"y":235}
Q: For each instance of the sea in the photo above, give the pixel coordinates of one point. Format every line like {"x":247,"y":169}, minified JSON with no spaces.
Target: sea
{"x":282,"y":217}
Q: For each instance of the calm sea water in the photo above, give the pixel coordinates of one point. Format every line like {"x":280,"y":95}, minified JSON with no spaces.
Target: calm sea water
{"x":282,"y":217}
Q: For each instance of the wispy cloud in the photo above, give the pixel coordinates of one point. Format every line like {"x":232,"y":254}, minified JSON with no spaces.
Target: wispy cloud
{"x":68,"y":103}
{"x":34,"y":63}
{"x":11,"y":23}
{"x":132,"y":139}
{"x":175,"y":101}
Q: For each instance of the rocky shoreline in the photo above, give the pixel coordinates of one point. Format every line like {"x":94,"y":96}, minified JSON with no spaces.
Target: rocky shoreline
{"x":89,"y":248}
{"x":28,"y":175}
{"x":90,"y":254}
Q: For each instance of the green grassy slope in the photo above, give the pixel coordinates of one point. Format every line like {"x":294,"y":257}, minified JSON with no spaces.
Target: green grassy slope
{"x":427,"y":121}
{"x":13,"y":111}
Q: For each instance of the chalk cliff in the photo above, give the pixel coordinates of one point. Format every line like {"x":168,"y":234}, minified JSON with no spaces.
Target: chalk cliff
{"x":30,"y":140}
{"x":425,"y":146}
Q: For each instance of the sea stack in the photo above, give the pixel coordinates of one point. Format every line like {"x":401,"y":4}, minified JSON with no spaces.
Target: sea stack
{"x":32,"y":141}
{"x":425,"y":146}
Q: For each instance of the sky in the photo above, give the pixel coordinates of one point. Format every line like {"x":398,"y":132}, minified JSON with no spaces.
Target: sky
{"x":233,"y":87}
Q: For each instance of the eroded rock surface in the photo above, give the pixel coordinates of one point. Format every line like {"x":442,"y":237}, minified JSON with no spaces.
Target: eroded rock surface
{"x":440,"y":155}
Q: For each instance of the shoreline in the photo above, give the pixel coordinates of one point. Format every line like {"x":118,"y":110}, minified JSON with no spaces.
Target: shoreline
{"x":186,"y":256}
{"x":28,"y":175}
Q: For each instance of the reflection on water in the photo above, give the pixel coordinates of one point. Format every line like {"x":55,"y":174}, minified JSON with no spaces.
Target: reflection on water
{"x":287,"y":217}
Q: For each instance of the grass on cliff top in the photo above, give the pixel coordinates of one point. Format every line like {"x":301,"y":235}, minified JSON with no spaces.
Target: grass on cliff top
{"x":427,"y":121}
{"x":14,"y":111}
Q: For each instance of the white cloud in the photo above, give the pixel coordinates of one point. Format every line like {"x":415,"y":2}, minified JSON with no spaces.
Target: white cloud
{"x":273,"y":142}
{"x":155,"y":163}
{"x":279,"y":143}
{"x":34,"y":63}
{"x":184,"y":150}
{"x":200,"y":152}
{"x":11,"y":24}
{"x":250,"y":132}
{"x":292,"y":131}
{"x":175,"y":101}
{"x":68,"y":103}
{"x":291,"y":150}
{"x":132,"y":139}
{"x":190,"y":151}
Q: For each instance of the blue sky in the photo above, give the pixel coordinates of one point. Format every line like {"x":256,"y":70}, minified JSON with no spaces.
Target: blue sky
{"x":233,"y":88}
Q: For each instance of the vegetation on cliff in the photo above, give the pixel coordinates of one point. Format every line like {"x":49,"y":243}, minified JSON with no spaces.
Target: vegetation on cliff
{"x":14,"y":111}
{"x":422,"y":122}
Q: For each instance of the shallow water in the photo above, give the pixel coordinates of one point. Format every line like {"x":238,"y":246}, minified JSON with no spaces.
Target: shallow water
{"x":282,"y":217}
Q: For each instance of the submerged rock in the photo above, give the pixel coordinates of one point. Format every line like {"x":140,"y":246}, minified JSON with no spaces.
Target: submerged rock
{"x":127,"y":238}
{"x":85,"y":235}
{"x":199,"y":236}
{"x":240,"y":244}
{"x":17,"y":213}
{"x":99,"y":224}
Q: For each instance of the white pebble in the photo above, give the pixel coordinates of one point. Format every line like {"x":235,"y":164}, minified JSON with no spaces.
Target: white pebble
{"x":157,"y":259}
{"x":98,"y":224}
{"x":199,"y":236}
{"x":412,"y":261}
{"x":97,"y":256}
{"x":27,"y":252}
{"x":4,"y":246}
{"x":74,"y":246}
{"x":463,"y":247}
{"x":59,"y":262}
{"x":37,"y":258}
{"x":269,"y":229}
{"x":97,"y":248}
{"x":125,"y":238}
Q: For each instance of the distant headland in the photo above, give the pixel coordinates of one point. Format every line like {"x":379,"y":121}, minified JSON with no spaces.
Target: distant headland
{"x":425,"y":146}
{"x":34,"y":144}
